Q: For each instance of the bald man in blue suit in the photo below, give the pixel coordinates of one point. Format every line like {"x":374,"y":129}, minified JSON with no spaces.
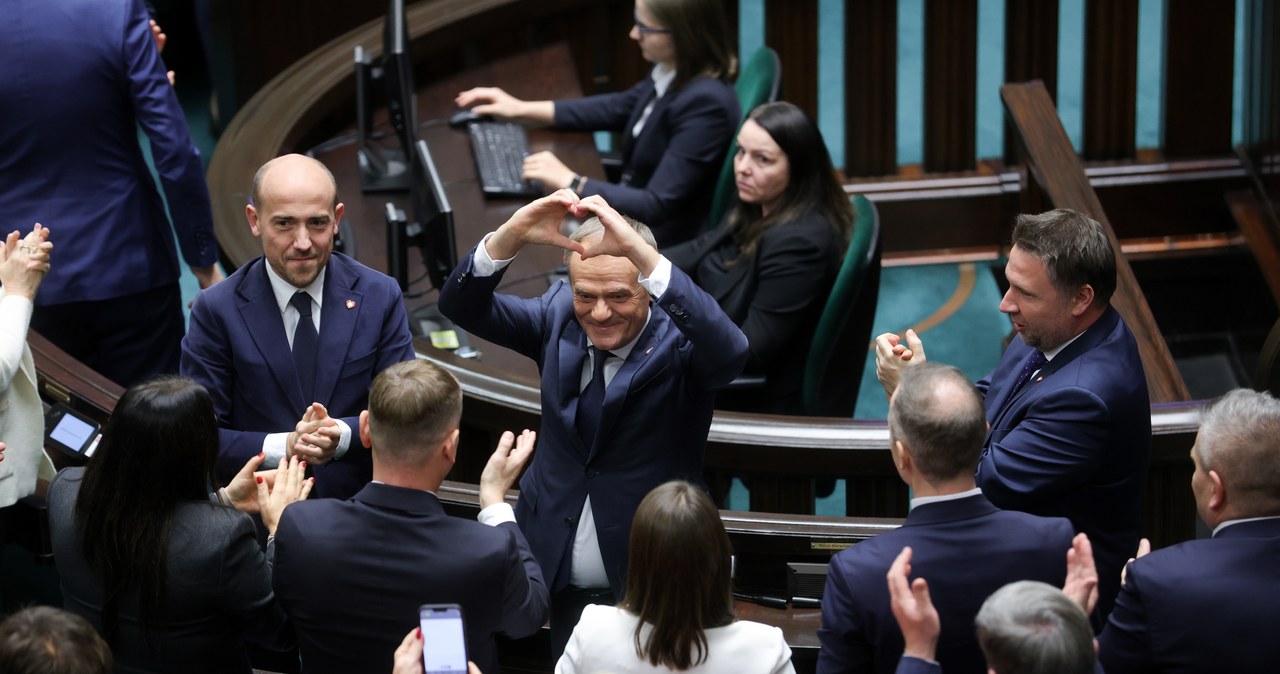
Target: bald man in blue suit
{"x":80,"y":78}
{"x":244,"y":331}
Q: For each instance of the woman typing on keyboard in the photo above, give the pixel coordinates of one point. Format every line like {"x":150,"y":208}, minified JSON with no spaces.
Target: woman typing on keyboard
{"x":676,"y":124}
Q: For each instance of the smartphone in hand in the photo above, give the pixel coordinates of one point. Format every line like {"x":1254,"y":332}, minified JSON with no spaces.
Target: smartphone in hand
{"x":444,"y":645}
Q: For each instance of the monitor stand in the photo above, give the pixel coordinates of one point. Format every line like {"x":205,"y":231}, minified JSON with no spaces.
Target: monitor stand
{"x":427,"y":321}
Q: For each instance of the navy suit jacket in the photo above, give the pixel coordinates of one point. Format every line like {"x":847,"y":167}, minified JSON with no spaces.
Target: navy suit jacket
{"x":352,"y":574}
{"x":1210,"y":605}
{"x":80,"y":78}
{"x":669,"y":171}
{"x":657,"y":408}
{"x":966,"y":549}
{"x":1074,"y":442}
{"x":237,"y":348}
{"x":776,"y":295}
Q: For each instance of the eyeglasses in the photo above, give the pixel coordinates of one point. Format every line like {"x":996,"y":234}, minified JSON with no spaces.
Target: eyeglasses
{"x":648,"y":30}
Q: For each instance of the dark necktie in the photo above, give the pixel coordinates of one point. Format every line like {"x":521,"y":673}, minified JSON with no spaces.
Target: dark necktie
{"x":1035,"y":361}
{"x":591,"y":400}
{"x":304,"y":344}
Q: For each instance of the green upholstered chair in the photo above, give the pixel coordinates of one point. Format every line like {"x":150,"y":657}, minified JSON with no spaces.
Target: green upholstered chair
{"x":838,"y":352}
{"x":838,"y":348}
{"x":758,"y":83}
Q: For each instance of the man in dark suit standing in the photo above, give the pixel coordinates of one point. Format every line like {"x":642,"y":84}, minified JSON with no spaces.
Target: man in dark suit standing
{"x":627,"y":393}
{"x":936,"y":427}
{"x":80,"y":79}
{"x":1212,"y":605}
{"x":1069,"y":414}
{"x":297,"y":333}
{"x":392,"y":547}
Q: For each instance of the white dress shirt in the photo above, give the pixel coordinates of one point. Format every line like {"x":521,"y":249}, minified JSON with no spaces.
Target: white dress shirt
{"x":274,"y":446}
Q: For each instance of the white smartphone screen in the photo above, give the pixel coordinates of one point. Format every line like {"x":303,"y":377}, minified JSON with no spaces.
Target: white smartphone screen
{"x":444,"y":647}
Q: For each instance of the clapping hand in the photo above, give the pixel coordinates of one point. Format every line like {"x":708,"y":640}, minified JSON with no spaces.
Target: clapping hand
{"x":289,"y":486}
{"x":316,"y":436}
{"x":24,"y":261}
{"x":892,"y":356}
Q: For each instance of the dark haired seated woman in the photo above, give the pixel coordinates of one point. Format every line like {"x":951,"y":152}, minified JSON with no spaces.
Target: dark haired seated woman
{"x":772,"y":262}
{"x":675,"y":124}
{"x":171,"y":575}
{"x":678,"y":610}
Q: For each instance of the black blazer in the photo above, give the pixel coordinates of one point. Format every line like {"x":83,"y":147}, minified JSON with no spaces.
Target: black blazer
{"x":219,"y":587}
{"x":669,"y":171}
{"x":352,"y":574}
{"x":776,"y":295}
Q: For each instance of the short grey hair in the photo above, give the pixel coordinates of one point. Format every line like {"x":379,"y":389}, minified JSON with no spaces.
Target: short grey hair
{"x":938,"y":413}
{"x":592,"y":226}
{"x":1240,"y":439}
{"x":1074,"y":249}
{"x":1031,"y":627}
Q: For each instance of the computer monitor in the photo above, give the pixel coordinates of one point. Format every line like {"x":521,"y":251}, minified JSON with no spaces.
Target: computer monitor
{"x":430,"y":229}
{"x":433,"y":218}
{"x":382,"y":168}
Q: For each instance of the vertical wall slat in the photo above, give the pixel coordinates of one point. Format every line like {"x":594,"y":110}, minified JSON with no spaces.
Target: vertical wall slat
{"x":871,"y":87}
{"x":1031,"y":53}
{"x":950,"y":84}
{"x":1199,"y":68}
{"x":791,"y":29}
{"x":1110,"y":78}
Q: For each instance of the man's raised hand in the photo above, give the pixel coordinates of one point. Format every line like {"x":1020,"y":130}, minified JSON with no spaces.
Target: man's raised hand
{"x":537,"y":223}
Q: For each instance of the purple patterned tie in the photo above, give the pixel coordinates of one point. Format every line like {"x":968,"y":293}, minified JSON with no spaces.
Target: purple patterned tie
{"x":1035,"y":361}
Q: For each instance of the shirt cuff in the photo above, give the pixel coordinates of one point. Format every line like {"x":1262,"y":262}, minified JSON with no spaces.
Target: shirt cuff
{"x":656,"y":283}
{"x":482,"y":265}
{"x":496,"y":514}
{"x":344,"y":442}
{"x":274,"y":448}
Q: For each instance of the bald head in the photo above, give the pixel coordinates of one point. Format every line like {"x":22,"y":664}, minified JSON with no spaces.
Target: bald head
{"x":294,"y":167}
{"x":937,"y":413}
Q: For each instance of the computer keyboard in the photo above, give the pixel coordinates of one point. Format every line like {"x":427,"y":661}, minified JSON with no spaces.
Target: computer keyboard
{"x":500,"y":149}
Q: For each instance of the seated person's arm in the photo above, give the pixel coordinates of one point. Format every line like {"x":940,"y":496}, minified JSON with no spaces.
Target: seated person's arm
{"x":701,"y":129}
{"x":498,"y":103}
{"x":789,"y":282}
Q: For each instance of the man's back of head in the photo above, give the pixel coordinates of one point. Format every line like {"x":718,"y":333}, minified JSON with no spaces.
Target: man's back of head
{"x":1238,"y":448}
{"x":1031,"y":627}
{"x":938,"y":415}
{"x":414,"y":408}
{"x":47,"y":640}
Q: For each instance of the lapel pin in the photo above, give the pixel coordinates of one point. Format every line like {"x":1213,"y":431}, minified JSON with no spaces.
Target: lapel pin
{"x":351,"y":304}
{"x":648,"y":351}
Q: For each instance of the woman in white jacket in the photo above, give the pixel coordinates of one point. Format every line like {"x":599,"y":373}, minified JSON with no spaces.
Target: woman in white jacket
{"x":24,"y":261}
{"x":677,"y":614}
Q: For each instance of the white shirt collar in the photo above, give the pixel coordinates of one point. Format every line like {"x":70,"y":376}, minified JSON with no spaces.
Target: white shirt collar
{"x":925,"y":500}
{"x":1228,"y":523}
{"x":662,"y":77}
{"x":1048,"y":355}
{"x":283,"y":290}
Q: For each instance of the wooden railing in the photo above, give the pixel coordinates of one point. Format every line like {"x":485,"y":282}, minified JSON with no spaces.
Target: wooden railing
{"x":1055,"y":174}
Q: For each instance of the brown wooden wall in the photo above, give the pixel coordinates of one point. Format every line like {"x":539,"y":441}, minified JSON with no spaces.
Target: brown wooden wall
{"x":1199,"y":39}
